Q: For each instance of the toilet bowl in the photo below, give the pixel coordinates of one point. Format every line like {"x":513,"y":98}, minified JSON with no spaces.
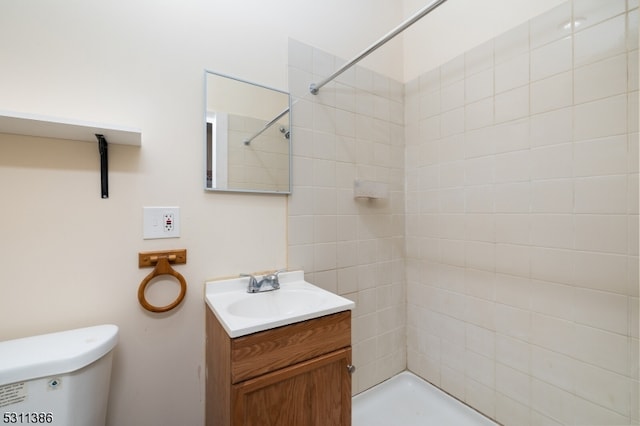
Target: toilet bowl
{"x":58,"y":378}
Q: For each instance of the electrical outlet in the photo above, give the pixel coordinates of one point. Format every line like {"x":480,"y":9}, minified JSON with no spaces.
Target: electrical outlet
{"x":160,"y":222}
{"x":168,"y":221}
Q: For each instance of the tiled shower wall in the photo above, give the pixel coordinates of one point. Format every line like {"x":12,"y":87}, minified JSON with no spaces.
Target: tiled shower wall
{"x":352,"y":129}
{"x":522,"y":220}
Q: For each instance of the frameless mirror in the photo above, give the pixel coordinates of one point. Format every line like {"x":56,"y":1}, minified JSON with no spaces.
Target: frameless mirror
{"x":248,"y":144}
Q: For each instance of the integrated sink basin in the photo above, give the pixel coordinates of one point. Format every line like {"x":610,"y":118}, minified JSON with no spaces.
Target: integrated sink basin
{"x":242,"y":313}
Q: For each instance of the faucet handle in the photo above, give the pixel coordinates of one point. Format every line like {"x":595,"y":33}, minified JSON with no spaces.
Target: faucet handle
{"x":253,"y":283}
{"x":274,"y":278}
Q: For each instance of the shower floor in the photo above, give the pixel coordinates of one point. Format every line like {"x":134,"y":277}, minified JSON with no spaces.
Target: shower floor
{"x":407,"y":400}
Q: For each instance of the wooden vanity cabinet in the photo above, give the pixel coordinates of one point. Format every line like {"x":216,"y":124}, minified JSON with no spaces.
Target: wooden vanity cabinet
{"x":295,"y":375}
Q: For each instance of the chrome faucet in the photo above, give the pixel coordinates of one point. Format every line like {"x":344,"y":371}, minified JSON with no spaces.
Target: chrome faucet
{"x":256,"y":286}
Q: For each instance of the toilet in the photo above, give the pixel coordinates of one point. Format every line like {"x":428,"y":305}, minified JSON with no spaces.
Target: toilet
{"x":58,"y":378}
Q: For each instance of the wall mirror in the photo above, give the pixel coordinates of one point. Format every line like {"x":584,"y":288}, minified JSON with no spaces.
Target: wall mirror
{"x":248,"y":139}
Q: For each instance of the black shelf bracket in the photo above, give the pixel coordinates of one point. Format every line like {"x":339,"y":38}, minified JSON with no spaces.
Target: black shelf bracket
{"x":104,"y":165}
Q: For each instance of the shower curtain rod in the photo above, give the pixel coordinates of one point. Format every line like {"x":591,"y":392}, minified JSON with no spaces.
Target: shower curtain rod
{"x":315,"y":87}
{"x":247,"y":141}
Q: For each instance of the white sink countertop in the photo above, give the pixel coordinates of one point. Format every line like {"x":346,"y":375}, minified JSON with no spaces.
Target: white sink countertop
{"x":242,"y":313}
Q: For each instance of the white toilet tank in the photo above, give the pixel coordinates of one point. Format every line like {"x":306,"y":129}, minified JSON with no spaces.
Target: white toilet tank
{"x":57,"y":379}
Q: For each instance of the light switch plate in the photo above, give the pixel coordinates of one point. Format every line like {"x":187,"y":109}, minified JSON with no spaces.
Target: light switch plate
{"x":160,"y":222}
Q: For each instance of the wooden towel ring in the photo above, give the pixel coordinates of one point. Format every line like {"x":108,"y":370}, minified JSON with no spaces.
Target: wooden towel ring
{"x":162,"y":268}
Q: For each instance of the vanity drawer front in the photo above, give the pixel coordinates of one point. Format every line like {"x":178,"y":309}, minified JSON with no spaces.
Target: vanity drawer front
{"x":270,"y":350}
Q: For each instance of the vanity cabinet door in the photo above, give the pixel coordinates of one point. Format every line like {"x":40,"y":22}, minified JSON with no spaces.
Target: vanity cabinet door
{"x":316,"y":392}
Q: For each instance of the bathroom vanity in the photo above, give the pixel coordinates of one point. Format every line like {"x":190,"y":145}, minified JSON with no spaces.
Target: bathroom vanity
{"x":298,"y":373}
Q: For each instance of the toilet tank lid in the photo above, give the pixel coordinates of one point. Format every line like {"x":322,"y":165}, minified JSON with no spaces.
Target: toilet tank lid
{"x":55,"y":353}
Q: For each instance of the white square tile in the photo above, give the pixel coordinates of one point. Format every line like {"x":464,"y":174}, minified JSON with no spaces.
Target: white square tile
{"x":552,"y":162}
{"x":301,"y":257}
{"x":452,"y":226}
{"x":480,"y":312}
{"x":302,"y":202}
{"x":452,"y":148}
{"x":513,"y":228}
{"x":452,"y":96}
{"x":555,"y":230}
{"x":603,"y":194}
{"x":551,"y":333}
{"x":479,"y":171}
{"x":513,"y":166}
{"x":551,"y":59}
{"x":601,"y":79}
{"x":478,"y":227}
{"x":551,"y":93}
{"x":512,"y":73}
{"x":600,"y":348}
{"x":512,"y":135}
{"x":324,"y":229}
{"x":345,"y":98}
{"x":601,"y":271}
{"x":429,"y":104}
{"x":452,"y":122}
{"x":552,"y":196}
{"x":365,"y":104}
{"x":480,"y":340}
{"x":605,"y":117}
{"x":513,"y":197}
{"x":512,"y":104}
{"x":480,"y":142}
{"x":552,"y":127}
{"x":513,"y":260}
{"x":553,"y":367}
{"x":603,"y":156}
{"x":452,"y":200}
{"x":452,"y":174}
{"x":478,"y":199}
{"x":480,"y":255}
{"x":556,"y":265}
{"x":601,"y":233}
{"x":430,"y":129}
{"x":479,"y":114}
{"x":600,"y":41}
{"x":347,"y":281}
{"x":324,"y":256}
{"x":553,"y":299}
{"x":478,"y":86}
{"x":513,"y":322}
{"x":604,"y":310}
{"x":513,"y":383}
